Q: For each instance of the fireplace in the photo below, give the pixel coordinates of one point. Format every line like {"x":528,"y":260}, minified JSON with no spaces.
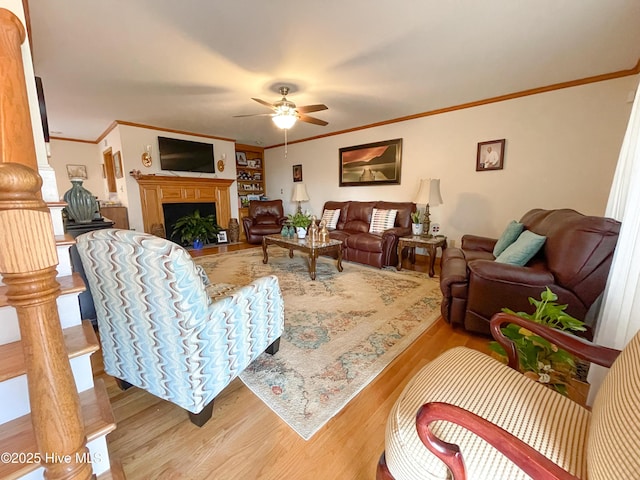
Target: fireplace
{"x":173,"y":211}
{"x":157,"y":191}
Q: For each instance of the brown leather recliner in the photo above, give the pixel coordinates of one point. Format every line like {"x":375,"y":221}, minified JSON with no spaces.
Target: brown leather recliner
{"x":265,"y":218}
{"x":574,"y":263}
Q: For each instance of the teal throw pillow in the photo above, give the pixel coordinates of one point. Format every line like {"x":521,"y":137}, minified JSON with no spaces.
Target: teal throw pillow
{"x":510,"y":235}
{"x":523,"y":249}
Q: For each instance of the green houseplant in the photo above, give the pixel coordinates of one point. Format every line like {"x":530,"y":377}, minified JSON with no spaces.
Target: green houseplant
{"x":196,"y":230}
{"x":541,"y":360}
{"x":416,"y":226}
{"x":300,"y":221}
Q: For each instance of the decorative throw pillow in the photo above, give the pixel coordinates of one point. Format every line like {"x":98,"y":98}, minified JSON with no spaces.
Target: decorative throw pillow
{"x":331,"y":218}
{"x":382,"y":220}
{"x":523,"y":249}
{"x":510,"y":235}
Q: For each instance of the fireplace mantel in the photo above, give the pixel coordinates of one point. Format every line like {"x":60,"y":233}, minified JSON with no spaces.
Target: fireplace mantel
{"x":155,"y":190}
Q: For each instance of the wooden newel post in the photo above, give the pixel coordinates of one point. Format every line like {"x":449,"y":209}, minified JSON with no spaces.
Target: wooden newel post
{"x":28,"y":261}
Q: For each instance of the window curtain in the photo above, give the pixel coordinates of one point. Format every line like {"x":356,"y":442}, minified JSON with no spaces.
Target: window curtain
{"x":619,"y":317}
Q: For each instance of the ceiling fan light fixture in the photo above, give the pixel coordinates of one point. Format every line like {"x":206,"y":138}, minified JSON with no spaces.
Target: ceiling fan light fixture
{"x":285,"y":120}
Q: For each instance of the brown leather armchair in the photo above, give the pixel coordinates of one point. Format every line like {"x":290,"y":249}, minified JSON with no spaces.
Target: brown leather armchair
{"x":574,"y":262}
{"x":265,"y":218}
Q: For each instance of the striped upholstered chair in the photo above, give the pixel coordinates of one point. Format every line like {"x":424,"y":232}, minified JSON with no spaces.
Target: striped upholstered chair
{"x":160,"y":330}
{"x":527,"y":430}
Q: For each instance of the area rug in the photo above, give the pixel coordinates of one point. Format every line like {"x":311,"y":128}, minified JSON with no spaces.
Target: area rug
{"x":341,"y":330}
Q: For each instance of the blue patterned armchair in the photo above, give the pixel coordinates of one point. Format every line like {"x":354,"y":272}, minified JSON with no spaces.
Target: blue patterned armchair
{"x":160,"y":330}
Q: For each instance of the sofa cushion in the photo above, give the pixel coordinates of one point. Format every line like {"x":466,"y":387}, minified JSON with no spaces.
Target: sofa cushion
{"x":364,"y":242}
{"x":523,"y":249}
{"x":382,"y":220}
{"x":510,"y":235}
{"x":331,"y":218}
{"x":358,"y":216}
{"x":265,"y":220}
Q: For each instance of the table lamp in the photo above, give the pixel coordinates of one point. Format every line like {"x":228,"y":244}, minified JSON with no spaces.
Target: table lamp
{"x":428,"y":195}
{"x":299,"y":195}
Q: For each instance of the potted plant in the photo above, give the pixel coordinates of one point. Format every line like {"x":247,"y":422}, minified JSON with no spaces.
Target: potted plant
{"x":196,"y":230}
{"x":541,"y":360}
{"x":301,"y":222}
{"x":416,"y":226}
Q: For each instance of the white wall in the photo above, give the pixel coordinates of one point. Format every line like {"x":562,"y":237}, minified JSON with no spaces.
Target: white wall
{"x":132,"y":141}
{"x":64,"y":152}
{"x":561,"y":151}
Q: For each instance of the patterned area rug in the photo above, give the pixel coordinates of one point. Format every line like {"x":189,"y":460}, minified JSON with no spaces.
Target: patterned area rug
{"x":341,"y":330}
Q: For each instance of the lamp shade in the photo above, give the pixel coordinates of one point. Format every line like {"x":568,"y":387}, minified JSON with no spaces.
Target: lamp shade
{"x":429,"y":192}
{"x":299,"y":193}
{"x":285,"y":120}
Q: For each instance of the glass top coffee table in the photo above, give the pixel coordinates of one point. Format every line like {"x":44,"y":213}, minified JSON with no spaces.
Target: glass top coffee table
{"x":312,"y":249}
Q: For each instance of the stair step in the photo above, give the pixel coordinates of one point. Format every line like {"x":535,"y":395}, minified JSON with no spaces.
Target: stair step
{"x":63,"y":243}
{"x":56,"y":216}
{"x":115,"y":473}
{"x":80,"y":340}
{"x":17,"y":435}
{"x":68,"y":284}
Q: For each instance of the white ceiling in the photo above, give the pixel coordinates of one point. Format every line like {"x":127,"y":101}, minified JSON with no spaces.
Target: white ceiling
{"x":191,"y":65}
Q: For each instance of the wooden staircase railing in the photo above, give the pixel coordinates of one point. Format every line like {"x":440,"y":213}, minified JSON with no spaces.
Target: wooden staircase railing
{"x":28,"y":263}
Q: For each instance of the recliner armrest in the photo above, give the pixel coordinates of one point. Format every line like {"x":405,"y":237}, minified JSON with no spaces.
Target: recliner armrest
{"x":474,"y":242}
{"x":504,"y":272}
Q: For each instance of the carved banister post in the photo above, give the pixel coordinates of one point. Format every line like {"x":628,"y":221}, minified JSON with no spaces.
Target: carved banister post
{"x":28,"y":261}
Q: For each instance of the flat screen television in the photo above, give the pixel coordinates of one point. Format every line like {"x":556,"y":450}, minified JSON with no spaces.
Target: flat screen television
{"x":185,"y":155}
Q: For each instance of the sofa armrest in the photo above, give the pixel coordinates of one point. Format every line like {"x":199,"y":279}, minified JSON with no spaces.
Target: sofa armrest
{"x":577,"y":346}
{"x":529,"y":460}
{"x":504,"y":272}
{"x":474,"y":242}
{"x":396,"y":232}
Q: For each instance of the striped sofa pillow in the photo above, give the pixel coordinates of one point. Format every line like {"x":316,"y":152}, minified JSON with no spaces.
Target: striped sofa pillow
{"x":382,"y":220}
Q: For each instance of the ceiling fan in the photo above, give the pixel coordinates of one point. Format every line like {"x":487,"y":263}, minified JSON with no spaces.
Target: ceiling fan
{"x":286,"y":113}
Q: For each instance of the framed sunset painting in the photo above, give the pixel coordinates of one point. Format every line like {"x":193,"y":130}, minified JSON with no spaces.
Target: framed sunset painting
{"x":371,"y":164}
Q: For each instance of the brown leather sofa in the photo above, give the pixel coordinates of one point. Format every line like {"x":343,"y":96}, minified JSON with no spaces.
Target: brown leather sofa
{"x":264,"y":218}
{"x":574,"y":262}
{"x":375,"y":249}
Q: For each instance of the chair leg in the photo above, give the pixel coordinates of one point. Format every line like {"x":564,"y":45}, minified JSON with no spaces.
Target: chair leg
{"x":274,"y":347}
{"x":382,"y":472}
{"x":199,"y":419}
{"x":122,"y":384}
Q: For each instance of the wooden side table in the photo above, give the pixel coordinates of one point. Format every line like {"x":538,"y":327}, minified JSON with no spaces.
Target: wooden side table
{"x":431,"y":244}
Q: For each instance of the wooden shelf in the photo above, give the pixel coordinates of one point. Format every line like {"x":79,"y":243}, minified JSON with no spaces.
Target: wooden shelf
{"x":79,"y":340}
{"x":17,"y":435}
{"x":68,"y":284}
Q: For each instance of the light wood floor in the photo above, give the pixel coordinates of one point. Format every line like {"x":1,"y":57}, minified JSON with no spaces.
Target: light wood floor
{"x":245,"y":440}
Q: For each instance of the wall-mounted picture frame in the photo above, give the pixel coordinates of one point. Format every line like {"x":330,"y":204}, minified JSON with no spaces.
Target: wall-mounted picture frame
{"x":117,"y":164}
{"x":376,"y":163}
{"x":241,"y":159}
{"x":222,"y":237}
{"x":490,"y":155}
{"x":77,"y":171}
{"x":297,"y":173}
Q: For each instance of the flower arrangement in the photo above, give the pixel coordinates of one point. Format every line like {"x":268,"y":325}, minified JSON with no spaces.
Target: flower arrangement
{"x":541,"y":360}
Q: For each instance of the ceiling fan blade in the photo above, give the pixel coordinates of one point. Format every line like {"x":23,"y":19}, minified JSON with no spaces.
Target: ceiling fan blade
{"x":266,"y":104}
{"x":255,"y":115}
{"x":308,"y":119}
{"x":312,"y":108}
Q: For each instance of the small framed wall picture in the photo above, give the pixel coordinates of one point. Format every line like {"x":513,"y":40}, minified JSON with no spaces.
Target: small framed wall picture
{"x":297,"y":173}
{"x":77,"y":171}
{"x":117,"y":164}
{"x":222,"y":237}
{"x":241,"y":159}
{"x":490,"y":155}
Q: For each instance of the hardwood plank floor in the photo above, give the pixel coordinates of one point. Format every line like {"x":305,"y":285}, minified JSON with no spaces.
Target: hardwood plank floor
{"x":245,"y":440}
